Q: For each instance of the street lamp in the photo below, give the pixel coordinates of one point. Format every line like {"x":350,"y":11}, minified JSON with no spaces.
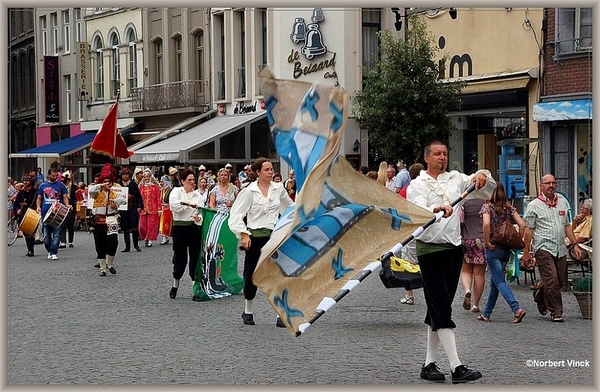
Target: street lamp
{"x":398,"y":23}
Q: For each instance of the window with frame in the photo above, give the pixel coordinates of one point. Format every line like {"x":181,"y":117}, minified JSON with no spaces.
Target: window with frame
{"x":240,"y":53}
{"x":371,"y":25}
{"x":54,"y":18}
{"x":99,"y":68}
{"x":132,"y":77}
{"x":116,"y":66}
{"x":68,"y":97}
{"x":67,"y":31}
{"x":573,"y":30}
{"x":78,"y":32}
{"x":44,"y":28}
{"x":199,"y":38}
{"x":178,"y":59}
{"x":158,"y":51}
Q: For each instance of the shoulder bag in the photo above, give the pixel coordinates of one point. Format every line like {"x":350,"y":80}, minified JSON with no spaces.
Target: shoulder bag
{"x":505,"y":234}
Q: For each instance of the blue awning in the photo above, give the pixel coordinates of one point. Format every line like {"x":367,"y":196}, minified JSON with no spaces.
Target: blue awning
{"x":579,"y":109}
{"x":55,"y":150}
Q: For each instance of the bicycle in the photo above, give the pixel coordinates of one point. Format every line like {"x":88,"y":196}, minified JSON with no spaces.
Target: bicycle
{"x":13,"y":230}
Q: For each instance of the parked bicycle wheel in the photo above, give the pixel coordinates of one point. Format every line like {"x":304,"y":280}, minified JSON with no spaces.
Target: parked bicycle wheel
{"x":13,"y":231}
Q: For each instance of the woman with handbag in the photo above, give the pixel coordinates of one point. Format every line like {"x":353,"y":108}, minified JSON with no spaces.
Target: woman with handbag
{"x":494,"y":212}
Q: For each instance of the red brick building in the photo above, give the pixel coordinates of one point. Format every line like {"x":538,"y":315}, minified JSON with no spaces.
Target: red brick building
{"x":564,"y":112}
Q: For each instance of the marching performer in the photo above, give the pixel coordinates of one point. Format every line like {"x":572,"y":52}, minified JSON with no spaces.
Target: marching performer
{"x":48,"y":193}
{"x":106,"y":226}
{"x":26,"y":199}
{"x":260,"y":203}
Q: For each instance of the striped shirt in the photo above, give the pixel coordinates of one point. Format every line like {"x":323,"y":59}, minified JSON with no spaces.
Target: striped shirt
{"x":548,"y":224}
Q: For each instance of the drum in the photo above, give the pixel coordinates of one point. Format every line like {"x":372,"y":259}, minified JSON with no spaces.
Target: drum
{"x":81,"y":212}
{"x":56,"y":215}
{"x":30,"y":222}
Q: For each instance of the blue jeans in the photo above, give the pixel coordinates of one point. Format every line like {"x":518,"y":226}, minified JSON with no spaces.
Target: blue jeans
{"x":496,"y":261}
{"x":52,"y":238}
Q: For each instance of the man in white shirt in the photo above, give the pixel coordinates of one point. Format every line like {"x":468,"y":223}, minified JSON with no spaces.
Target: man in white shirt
{"x":440,"y":254}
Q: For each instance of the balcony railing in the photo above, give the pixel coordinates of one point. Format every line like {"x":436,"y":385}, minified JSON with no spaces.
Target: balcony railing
{"x":174,"y":95}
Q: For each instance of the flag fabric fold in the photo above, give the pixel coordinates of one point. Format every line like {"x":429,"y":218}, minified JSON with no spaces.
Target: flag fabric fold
{"x":342,"y":220}
{"x":108,"y":141}
{"x":216,"y":271}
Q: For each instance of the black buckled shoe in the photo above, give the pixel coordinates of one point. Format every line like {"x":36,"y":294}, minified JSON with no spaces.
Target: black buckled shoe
{"x":112,"y":270}
{"x":280,"y":323}
{"x":248,"y":318}
{"x":29,"y":254}
{"x":138,"y":248}
{"x":125,"y":250}
{"x":463,"y":374}
{"x":432,"y":372}
{"x":102,"y":273}
{"x":97,"y":265}
{"x":173,"y":292}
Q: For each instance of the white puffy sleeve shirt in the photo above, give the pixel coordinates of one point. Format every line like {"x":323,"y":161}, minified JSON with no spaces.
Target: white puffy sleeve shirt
{"x":260,"y":211}
{"x":429,"y":193}
{"x":184,"y":212}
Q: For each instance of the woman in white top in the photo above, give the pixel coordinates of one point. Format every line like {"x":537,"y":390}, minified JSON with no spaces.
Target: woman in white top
{"x":203,"y":190}
{"x":223,"y":194}
{"x":184,"y":202}
{"x":260,"y":203}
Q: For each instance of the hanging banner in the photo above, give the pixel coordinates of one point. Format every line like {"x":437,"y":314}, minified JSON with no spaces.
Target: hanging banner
{"x":83,"y":77}
{"x":51,"y":92}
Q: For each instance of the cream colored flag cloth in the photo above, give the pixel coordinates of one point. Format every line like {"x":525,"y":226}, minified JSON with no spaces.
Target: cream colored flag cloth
{"x":342,"y":221}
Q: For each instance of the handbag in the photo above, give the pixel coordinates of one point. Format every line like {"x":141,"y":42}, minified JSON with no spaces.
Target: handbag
{"x":505,"y":234}
{"x":398,"y":272}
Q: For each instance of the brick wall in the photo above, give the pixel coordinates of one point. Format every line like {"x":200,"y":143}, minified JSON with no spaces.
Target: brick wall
{"x":568,"y":75}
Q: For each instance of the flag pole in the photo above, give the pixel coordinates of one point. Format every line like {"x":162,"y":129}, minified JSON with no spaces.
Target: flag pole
{"x":114,"y":151}
{"x":327,"y":303}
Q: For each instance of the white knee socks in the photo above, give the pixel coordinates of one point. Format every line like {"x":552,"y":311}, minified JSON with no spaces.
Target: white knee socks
{"x":433,"y":344}
{"x":248,"y":306}
{"x":446,"y":337}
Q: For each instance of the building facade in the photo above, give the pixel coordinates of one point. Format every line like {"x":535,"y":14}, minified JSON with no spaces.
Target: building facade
{"x":564,"y":113}
{"x":21,"y":89}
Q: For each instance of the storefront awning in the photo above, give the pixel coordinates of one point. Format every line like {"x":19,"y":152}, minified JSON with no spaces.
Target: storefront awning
{"x":509,"y":80}
{"x":66,"y":146}
{"x":580,"y":109}
{"x":176,"y":147}
{"x":55,"y":150}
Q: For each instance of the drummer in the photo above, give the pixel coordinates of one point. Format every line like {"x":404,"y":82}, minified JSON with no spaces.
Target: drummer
{"x":26,"y":200}
{"x":50,"y":192}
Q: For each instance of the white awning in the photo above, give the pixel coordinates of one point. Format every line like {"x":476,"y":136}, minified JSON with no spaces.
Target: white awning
{"x":176,"y":148}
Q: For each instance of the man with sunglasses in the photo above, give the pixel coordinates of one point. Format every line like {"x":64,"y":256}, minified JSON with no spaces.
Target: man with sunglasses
{"x":547,"y":223}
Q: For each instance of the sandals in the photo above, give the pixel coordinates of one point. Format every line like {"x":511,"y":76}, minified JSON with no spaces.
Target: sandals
{"x":519,"y":316}
{"x":482,"y":318}
{"x":557,"y":319}
{"x":467,"y":301}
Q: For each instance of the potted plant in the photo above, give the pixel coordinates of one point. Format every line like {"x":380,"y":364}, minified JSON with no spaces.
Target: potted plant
{"x":583,"y":292}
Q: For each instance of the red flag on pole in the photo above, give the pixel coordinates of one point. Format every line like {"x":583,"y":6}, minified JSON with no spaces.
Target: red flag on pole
{"x":108,"y":140}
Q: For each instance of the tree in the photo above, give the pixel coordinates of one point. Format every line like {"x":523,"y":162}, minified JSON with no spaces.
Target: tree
{"x":404,"y":104}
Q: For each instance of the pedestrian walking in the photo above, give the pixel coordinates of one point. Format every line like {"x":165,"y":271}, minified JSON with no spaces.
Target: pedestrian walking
{"x":546,"y":225}
{"x":493,"y":213}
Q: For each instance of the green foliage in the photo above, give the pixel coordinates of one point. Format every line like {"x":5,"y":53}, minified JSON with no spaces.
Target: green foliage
{"x":584,"y":284}
{"x":403,"y":103}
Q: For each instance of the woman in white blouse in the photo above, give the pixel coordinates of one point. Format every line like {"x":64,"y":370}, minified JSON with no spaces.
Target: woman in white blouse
{"x":185,"y":202}
{"x":260,"y":203}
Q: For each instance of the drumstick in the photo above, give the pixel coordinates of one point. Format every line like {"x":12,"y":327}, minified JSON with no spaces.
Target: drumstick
{"x":328,"y":303}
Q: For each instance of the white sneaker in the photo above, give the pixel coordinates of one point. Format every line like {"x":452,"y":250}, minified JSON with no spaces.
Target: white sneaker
{"x":53,"y":257}
{"x":408,"y":300}
{"x":49,"y":256}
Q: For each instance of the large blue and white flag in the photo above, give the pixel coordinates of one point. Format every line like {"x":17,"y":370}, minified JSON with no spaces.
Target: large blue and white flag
{"x":342,"y":220}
